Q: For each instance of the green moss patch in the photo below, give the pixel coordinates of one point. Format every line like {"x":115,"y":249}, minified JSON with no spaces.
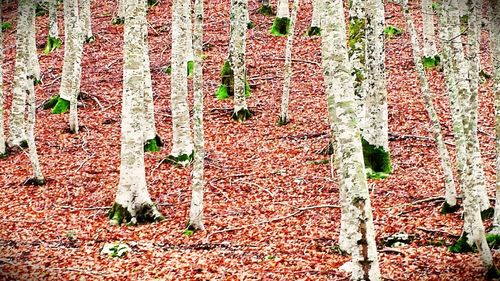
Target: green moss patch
{"x":266,"y":10}
{"x":50,"y":103}
{"x":377,"y":161}
{"x":6,"y":26}
{"x":190,"y":66}
{"x":226,"y":89}
{"x":250,"y":25}
{"x":62,"y":106}
{"x":182,"y":159}
{"x":493,"y":273}
{"x":153,"y":145}
{"x":52,"y":44}
{"x":35,"y":181}
{"x":447,"y":209}
{"x":41,"y":10}
{"x":241,"y":115}
{"x":89,"y":39}
{"x":431,"y":62}
{"x":146,"y":213}
{"x":461,"y":245}
{"x":493,"y":240}
{"x":391,"y":31}
{"x":313,"y":31}
{"x":222,"y":92}
{"x":281,"y":27}
{"x":282,"y":121}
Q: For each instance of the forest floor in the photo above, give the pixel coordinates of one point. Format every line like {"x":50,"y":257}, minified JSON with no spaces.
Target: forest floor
{"x":258,"y":175}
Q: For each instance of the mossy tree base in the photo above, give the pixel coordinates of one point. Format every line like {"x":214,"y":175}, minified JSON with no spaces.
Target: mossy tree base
{"x":190,"y":64}
{"x":182,"y":160}
{"x":50,"y":103}
{"x":487,"y":214}
{"x":152,"y":3}
{"x":329,"y":149}
{"x":90,"y":39}
{"x":461,"y":245}
{"x":377,"y":161}
{"x":282,"y":121}
{"x":250,"y":25}
{"x":4,"y":155}
{"x":226,"y":89}
{"x":281,"y":27}
{"x":241,"y":115}
{"x":431,"y":62}
{"x":35,"y":181}
{"x":493,"y":240}
{"x":153,"y":145}
{"x":118,"y":21}
{"x":62,"y":106}
{"x":52,"y":44}
{"x":146,"y":213}
{"x":313,"y":31}
{"x":448,"y":209}
{"x":266,"y":10}
{"x":493,"y":273}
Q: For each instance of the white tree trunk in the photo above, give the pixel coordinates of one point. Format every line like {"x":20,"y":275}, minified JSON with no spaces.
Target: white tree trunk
{"x":133,"y":203}
{"x":17,"y":123}
{"x":182,"y":143}
{"x":316,"y":13}
{"x":33,"y":57}
{"x":430,"y":50}
{"x":149,"y":120}
{"x":495,"y":47}
{"x":53,"y":27}
{"x":196,"y":209}
{"x":285,"y":97}
{"x":86,"y":18}
{"x":188,"y":23}
{"x":283,"y":11}
{"x":352,"y":174}
{"x":450,"y":191}
{"x":238,"y":41}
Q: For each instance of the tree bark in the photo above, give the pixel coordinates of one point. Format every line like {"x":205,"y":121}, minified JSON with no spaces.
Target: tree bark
{"x":430,"y":50}
{"x":351,"y":171}
{"x":285,"y":97}
{"x":133,"y":203}
{"x":86,"y":18}
{"x":3,"y":148}
{"x":196,"y":209}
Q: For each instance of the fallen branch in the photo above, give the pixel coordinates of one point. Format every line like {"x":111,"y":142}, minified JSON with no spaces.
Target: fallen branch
{"x":438,"y":231}
{"x":299,"y":211}
{"x":84,"y":162}
{"x":301,"y":136}
{"x":390,"y":250}
{"x":394,"y":136}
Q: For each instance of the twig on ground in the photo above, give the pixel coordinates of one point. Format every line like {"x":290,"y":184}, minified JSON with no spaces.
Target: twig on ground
{"x":437,"y":231}
{"x":84,"y":162}
{"x":260,"y":187}
{"x":299,"y":211}
{"x":394,"y":136}
{"x":390,"y":250}
{"x":301,"y":136}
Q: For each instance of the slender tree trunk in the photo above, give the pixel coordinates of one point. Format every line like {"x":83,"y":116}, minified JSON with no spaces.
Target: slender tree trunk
{"x":196,"y":210}
{"x":357,"y":48}
{"x":3,"y":148}
{"x":352,"y":175}
{"x":430,"y":51}
{"x":86,"y":18}
{"x":53,"y":27}
{"x":375,"y":122}
{"x":17,"y":123}
{"x":450,"y":191}
{"x":281,"y":24}
{"x":182,"y":143}
{"x":284,"y":118}
{"x":317,"y":9}
{"x":133,"y":203}
{"x":188,"y":23}
{"x":33,"y":57}
{"x":495,"y":49}
{"x":238,"y":40}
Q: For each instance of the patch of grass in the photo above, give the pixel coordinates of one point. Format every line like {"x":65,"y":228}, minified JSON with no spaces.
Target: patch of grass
{"x":62,"y":106}
{"x":461,"y":245}
{"x":6,"y":26}
{"x":377,"y":161}
{"x":153,"y":145}
{"x":222,"y":92}
{"x":52,"y":44}
{"x":241,"y":115}
{"x":313,"y":31}
{"x":431,"y":62}
{"x":50,"y":103}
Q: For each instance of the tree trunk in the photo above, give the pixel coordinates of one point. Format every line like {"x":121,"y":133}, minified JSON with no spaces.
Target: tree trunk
{"x":182,"y":143}
{"x":317,"y":9}
{"x":281,"y":24}
{"x":450,"y":191}
{"x":375,"y":122}
{"x":196,"y":209}
{"x":133,"y":203}
{"x":351,"y":171}
{"x":284,"y":118}
{"x":188,"y":23}
{"x":238,"y":41}
{"x":53,"y":40}
{"x":495,"y":47}
{"x":32,"y":51}
{"x":430,"y":51}
{"x":86,"y":18}
{"x":17,"y":123}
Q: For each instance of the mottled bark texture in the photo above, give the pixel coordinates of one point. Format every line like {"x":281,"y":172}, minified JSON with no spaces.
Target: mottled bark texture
{"x":285,"y":97}
{"x":281,"y":24}
{"x":429,"y":51}
{"x":133,"y":203}
{"x":239,"y":19}
{"x":315,"y":27}
{"x":266,"y":9}
{"x":374,"y":124}
{"x":17,"y":124}
{"x":351,"y":172}
{"x":182,"y":142}
{"x":120,"y":13}
{"x":196,"y":209}
{"x":450,"y":191}
{"x":32,"y":51}
{"x":53,"y":40}
{"x":86,"y":18}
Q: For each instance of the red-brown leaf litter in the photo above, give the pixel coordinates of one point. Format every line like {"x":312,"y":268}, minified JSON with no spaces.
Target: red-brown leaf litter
{"x":255,"y":171}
